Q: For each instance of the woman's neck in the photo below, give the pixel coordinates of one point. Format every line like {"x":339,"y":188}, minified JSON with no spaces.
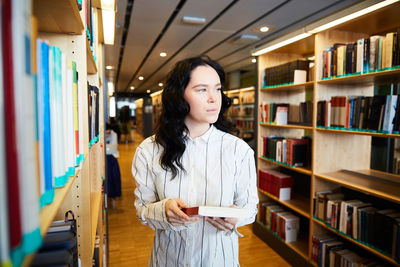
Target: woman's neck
{"x":196,"y":130}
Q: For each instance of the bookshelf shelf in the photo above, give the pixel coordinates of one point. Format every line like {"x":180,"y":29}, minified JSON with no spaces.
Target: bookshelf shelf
{"x":58,"y":16}
{"x":354,"y":241}
{"x":91,"y":64}
{"x":385,"y":76}
{"x":301,"y":246}
{"x":379,"y":184}
{"x":293,"y":126}
{"x":288,"y":87}
{"x":361,"y":132}
{"x":298,"y":203}
{"x":297,"y":169}
{"x":95,"y":198}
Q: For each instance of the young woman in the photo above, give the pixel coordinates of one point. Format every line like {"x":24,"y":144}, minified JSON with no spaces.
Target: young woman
{"x":192,"y":160}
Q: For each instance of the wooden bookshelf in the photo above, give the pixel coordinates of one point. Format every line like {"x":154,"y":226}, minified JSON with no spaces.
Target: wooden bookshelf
{"x":61,"y":24}
{"x":293,"y":126}
{"x":382,"y":185}
{"x":297,"y":169}
{"x":356,"y":242}
{"x":298,"y":203}
{"x":333,"y":149}
{"x":58,"y":16}
{"x":288,"y":87}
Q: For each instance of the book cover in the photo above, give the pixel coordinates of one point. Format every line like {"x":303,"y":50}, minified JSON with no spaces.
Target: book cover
{"x":211,"y":211}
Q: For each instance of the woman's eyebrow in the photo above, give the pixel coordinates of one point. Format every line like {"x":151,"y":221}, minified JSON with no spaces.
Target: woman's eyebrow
{"x":205,"y":85}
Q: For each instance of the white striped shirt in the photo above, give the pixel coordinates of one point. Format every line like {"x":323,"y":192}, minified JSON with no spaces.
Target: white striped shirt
{"x":220,"y":171}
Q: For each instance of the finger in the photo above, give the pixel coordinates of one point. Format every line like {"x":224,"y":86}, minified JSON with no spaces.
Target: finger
{"x":217,"y":224}
{"x":180,"y":214}
{"x":225,"y":224}
{"x":180,"y":203}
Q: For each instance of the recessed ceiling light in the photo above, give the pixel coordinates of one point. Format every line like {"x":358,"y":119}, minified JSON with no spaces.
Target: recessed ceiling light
{"x":132,"y":87}
{"x":254,"y":60}
{"x":264,"y":29}
{"x":141,"y":78}
{"x":163,"y":54}
{"x":148,"y":91}
{"x":160,"y":84}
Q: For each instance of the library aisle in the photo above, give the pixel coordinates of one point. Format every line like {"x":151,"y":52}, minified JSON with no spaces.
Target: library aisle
{"x":130,"y":242}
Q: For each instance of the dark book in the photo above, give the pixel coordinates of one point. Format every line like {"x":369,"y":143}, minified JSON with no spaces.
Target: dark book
{"x":366,"y":55}
{"x":321,"y":113}
{"x":379,"y":222}
{"x":377,"y":103}
{"x":349,"y":57}
{"x":388,"y":223}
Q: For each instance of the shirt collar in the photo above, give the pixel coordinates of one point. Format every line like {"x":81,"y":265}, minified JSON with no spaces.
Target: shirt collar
{"x":203,"y":137}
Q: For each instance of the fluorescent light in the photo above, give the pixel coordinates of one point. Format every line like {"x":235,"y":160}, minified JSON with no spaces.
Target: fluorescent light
{"x":264,"y":29}
{"x":251,"y":88}
{"x":352,"y":16}
{"x":253,"y":60}
{"x":163,"y":54}
{"x":109,"y":26}
{"x":110,"y":86}
{"x":108,"y":4}
{"x":148,"y":91}
{"x":140,"y":78}
{"x":109,"y":67}
{"x":193,"y":20}
{"x":282,"y":43}
{"x":112,"y":107}
{"x":132,"y":87}
{"x":160,"y":84}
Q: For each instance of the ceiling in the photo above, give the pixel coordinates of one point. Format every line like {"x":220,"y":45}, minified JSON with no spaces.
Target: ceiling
{"x":144,"y":28}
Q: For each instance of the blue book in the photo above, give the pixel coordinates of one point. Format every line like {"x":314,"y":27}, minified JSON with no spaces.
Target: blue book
{"x":44,"y":89}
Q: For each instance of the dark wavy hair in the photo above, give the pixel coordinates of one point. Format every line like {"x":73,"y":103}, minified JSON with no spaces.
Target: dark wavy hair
{"x":169,"y":132}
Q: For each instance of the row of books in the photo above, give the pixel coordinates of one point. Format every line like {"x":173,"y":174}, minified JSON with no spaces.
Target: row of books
{"x":378,"y":113}
{"x":283,"y":223}
{"x":245,"y":99}
{"x":244,"y":111}
{"x":284,"y":113}
{"x":292,"y":151}
{"x":367,"y":54}
{"x":244,"y":124}
{"x":328,"y":251}
{"x":285,"y":73}
{"x":276,"y":183}
{"x":361,"y":220}
{"x":60,"y":246}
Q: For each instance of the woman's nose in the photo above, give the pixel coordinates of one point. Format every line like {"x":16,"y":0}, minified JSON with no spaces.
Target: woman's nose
{"x":211,"y":97}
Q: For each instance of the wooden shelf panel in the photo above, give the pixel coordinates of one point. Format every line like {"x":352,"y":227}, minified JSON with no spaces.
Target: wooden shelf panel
{"x":288,"y":87}
{"x":48,"y":212}
{"x":91,"y":65}
{"x":359,"y":133}
{"x":386,"y":76}
{"x":297,"y":169}
{"x":60,"y":16}
{"x":293,"y":126}
{"x":299,"y":203}
{"x":354,"y":241}
{"x":95,"y":205}
{"x":385,"y":185}
{"x":300,"y":246}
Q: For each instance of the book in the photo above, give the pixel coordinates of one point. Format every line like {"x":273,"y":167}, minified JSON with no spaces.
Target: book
{"x":211,"y":211}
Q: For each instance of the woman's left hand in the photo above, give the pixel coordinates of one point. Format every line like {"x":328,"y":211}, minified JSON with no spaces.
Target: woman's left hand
{"x":223,"y":224}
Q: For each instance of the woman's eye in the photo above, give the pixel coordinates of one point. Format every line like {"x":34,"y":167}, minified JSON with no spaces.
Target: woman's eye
{"x":202,"y":90}
{"x":218,"y":89}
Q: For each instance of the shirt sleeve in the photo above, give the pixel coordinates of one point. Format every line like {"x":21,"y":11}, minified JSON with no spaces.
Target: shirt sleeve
{"x":150,"y":210}
{"x":246,"y":195}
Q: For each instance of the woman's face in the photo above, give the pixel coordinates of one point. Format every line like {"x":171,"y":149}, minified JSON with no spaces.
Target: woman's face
{"x":203,"y":93}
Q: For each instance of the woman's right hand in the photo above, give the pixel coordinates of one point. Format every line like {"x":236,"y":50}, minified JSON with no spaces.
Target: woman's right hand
{"x":175,"y":215}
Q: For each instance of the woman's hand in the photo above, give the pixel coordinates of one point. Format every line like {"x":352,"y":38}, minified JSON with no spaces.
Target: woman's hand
{"x":223,"y":224}
{"x":175,"y":215}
